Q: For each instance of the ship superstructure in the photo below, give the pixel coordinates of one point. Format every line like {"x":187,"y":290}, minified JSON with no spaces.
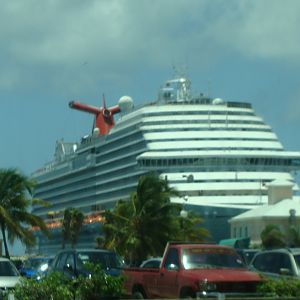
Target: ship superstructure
{"x":219,"y":154}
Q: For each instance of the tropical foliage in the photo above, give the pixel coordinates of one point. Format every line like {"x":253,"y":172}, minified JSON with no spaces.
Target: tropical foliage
{"x":190,"y":228}
{"x":54,"y":286}
{"x":16,"y":192}
{"x":57,"y":286}
{"x":100,"y":285}
{"x":142,"y":226}
{"x":273,"y":237}
{"x":280,"y":288}
{"x":71,"y":226}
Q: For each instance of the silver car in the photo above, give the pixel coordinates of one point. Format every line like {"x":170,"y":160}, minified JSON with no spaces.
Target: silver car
{"x":9,"y":276}
{"x":277,"y":263}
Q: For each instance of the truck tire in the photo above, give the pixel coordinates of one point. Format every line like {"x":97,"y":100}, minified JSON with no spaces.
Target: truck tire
{"x":187,"y":294}
{"x":137,"y":295}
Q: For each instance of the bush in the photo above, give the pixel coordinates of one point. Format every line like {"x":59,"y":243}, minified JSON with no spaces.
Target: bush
{"x":58,"y":287}
{"x":54,"y":286}
{"x":99,"y":285}
{"x":286,"y":287}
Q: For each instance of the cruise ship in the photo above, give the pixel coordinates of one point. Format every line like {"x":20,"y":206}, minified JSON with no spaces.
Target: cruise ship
{"x":218,"y":154}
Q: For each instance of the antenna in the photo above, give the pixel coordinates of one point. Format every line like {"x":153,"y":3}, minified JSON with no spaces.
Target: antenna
{"x":209,"y":87}
{"x":180,"y":70}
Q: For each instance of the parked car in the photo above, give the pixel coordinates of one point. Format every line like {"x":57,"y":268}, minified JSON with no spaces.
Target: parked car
{"x":35,"y":267}
{"x":17,"y":261}
{"x":247,"y":254}
{"x":277,"y":263}
{"x":151,"y":263}
{"x":72,"y":262}
{"x":9,"y":276}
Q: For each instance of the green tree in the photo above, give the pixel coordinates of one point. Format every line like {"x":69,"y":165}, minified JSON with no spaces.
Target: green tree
{"x":66,"y":227}
{"x":15,"y":202}
{"x":191,"y":228}
{"x":142,"y":226}
{"x":272,"y":237}
{"x":293,"y":237}
{"x":71,"y":226}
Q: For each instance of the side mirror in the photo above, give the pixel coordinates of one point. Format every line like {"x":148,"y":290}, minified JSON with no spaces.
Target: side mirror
{"x":285,"y":271}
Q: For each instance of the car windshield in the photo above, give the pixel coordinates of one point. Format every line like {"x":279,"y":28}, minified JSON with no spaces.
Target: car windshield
{"x":8,"y":269}
{"x":107,"y":260}
{"x":34,"y":263}
{"x":196,"y":258}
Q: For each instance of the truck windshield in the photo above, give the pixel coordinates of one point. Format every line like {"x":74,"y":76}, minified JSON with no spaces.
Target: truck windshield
{"x":201,"y":258}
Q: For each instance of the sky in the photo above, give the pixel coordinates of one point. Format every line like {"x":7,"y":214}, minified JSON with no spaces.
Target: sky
{"x":56,"y":51}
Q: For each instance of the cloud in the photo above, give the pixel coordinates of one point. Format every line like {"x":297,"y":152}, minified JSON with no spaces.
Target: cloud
{"x":261,"y":29}
{"x":117,"y":36}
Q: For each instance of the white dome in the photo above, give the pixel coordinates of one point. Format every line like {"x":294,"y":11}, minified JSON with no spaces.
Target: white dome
{"x":218,"y":101}
{"x":96,"y":131}
{"x":126,"y":104}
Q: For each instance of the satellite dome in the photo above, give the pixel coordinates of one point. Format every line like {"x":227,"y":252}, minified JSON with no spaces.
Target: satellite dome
{"x":126,"y":104}
{"x":96,"y":131}
{"x":218,"y":101}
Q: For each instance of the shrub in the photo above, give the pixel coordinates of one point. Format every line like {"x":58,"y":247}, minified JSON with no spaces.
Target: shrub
{"x":54,"y":286}
{"x":99,"y":285}
{"x":286,"y":287}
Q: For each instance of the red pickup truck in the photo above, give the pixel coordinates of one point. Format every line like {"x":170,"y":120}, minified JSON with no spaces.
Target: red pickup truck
{"x":193,"y":270}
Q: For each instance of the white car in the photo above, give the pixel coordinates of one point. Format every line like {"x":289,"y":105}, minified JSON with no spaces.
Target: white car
{"x":9,"y":275}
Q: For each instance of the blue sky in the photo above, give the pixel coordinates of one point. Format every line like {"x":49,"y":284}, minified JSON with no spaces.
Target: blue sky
{"x":55,"y":51}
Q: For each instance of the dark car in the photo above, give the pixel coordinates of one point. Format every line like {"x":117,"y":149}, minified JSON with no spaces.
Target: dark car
{"x":277,"y":263}
{"x":247,"y":254}
{"x":73,"y":262}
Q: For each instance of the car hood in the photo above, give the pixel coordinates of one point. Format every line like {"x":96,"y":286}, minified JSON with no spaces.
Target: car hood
{"x":224,"y":274}
{"x":28,"y":272}
{"x":9,"y":281}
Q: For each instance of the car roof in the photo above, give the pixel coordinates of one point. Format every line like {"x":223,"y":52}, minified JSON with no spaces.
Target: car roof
{"x":87,"y":250}
{"x":153,"y":259}
{"x":4,"y":259}
{"x":190,"y":245}
{"x":285,"y":250}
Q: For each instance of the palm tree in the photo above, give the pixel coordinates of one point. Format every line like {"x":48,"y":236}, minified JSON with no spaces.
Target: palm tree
{"x":66,"y":231}
{"x":272,"y":237}
{"x":142,"y":226}
{"x":71,"y":226}
{"x":293,"y":237}
{"x":75,"y":226}
{"x":15,"y":201}
{"x":191,"y":230}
